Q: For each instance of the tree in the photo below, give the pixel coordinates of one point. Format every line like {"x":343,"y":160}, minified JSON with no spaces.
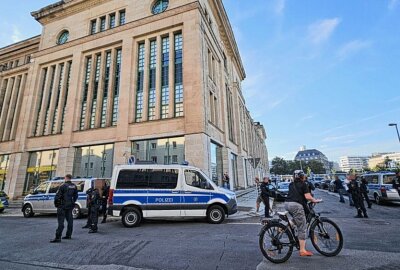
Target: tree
{"x":279,"y":166}
{"x":387,"y":162}
{"x":316,"y":166}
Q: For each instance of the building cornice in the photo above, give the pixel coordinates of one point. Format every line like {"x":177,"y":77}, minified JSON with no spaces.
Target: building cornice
{"x":127,"y":26}
{"x":64,"y":9}
{"x":228,"y":37}
{"x":27,"y":43}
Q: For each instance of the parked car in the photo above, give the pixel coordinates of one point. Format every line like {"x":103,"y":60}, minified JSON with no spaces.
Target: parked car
{"x":4,"y":198}
{"x":1,"y":207}
{"x":280,"y":191}
{"x":380,"y":187}
{"x":332,"y":185}
{"x":325,"y":184}
{"x":167,"y":191}
{"x":41,"y":200}
{"x":316,"y":181}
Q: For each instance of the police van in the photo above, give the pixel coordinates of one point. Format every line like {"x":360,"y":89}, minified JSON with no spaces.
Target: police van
{"x":166,"y":191}
{"x":381,"y":188}
{"x":41,"y":200}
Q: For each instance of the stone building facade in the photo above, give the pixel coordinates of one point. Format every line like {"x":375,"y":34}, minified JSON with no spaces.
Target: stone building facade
{"x":157,"y":79}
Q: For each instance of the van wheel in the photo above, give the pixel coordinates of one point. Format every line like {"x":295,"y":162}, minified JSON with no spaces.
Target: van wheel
{"x":377,"y":199}
{"x":215,"y":214}
{"x":131,"y":218}
{"x":28,"y":211}
{"x":76,"y":212}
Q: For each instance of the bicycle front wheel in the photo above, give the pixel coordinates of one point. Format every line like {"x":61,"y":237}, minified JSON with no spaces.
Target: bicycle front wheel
{"x":326,"y":237}
{"x":275,"y":243}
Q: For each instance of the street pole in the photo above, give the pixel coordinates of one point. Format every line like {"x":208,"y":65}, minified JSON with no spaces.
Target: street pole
{"x":395,"y":125}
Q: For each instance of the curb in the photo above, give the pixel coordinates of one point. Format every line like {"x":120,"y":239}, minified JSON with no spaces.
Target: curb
{"x":244,"y":192}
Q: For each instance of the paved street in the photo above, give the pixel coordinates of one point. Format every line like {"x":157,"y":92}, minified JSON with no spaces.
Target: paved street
{"x":369,"y":243}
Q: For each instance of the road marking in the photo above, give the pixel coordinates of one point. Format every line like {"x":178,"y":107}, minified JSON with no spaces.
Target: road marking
{"x":245,"y":223}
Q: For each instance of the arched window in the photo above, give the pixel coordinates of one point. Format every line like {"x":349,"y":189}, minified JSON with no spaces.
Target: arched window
{"x":159,"y":6}
{"x":63,"y":37}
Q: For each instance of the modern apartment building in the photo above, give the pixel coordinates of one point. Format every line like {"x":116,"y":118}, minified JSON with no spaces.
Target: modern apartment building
{"x":157,"y":79}
{"x":384,"y":160}
{"x":357,"y":163}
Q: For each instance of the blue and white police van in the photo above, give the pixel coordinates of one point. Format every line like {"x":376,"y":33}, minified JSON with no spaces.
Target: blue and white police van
{"x":167,"y":191}
{"x":381,"y":188}
{"x":41,"y":200}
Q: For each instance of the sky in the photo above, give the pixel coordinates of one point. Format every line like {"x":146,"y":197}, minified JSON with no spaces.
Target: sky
{"x":320,"y":73}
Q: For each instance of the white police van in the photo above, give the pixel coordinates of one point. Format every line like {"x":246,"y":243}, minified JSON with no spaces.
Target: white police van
{"x":381,"y":188}
{"x":41,"y":200}
{"x":166,"y":191}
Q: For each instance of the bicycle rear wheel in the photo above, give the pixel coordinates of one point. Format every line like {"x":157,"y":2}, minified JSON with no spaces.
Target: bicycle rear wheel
{"x":275,"y":243}
{"x":326,"y":237}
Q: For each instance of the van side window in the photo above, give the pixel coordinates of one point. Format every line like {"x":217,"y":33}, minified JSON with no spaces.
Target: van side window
{"x":388,"y":179}
{"x":54,"y":187}
{"x":195,"y":179}
{"x":372,"y":179}
{"x":162,"y":179}
{"x":80,"y":185}
{"x":132,"y":179}
{"x":42,"y":188}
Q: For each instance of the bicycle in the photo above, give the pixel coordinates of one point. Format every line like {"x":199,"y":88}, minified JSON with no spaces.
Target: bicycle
{"x":278,"y":236}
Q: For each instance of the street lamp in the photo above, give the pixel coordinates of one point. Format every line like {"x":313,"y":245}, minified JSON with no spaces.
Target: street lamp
{"x":395,"y":125}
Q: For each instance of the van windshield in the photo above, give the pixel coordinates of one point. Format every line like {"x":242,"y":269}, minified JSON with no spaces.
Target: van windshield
{"x":388,"y":179}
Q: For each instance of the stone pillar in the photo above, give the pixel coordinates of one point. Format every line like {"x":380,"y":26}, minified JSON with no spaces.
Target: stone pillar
{"x":16,"y":174}
{"x":121,"y":152}
{"x":197,"y":152}
{"x":65,"y":163}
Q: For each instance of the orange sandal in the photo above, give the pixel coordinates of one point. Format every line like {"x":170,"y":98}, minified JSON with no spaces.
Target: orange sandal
{"x":306,"y":254}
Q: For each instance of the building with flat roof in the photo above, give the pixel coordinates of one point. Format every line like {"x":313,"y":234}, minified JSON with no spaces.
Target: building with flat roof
{"x":160,"y":80}
{"x":356,"y":163}
{"x":384,"y":160}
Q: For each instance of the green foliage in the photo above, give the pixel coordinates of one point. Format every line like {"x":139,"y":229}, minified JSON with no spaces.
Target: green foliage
{"x":281,"y":166}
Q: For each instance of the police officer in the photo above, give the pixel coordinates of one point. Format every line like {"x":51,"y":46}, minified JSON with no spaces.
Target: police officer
{"x":94,"y":206}
{"x":364,"y":191}
{"x":355,"y":191}
{"x":106,"y":189}
{"x":265,"y":195}
{"x":88,"y":204}
{"x":64,"y":200}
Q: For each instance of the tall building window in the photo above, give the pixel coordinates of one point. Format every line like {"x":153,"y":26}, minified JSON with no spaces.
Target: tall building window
{"x":4,"y":161}
{"x":116,"y":88}
{"x":122,"y":17}
{"x":94,"y":161}
{"x":93,"y":27}
{"x":46,"y":126}
{"x":42,"y":166}
{"x":105,"y":90}
{"x":178,"y":76}
{"x":152,"y":80}
{"x":66,"y":96}
{"x":144,"y":151}
{"x":58,"y":93}
{"x":165,"y":78}
{"x":102,"y":24}
{"x":140,"y":80}
{"x":229,"y":105}
{"x":95,"y":91}
{"x":112,"y":20}
{"x":85,"y":92}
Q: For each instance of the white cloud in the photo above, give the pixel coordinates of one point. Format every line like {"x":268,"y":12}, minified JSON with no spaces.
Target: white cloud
{"x":321,"y":31}
{"x":303,"y":119}
{"x":16,"y":34}
{"x":352,"y":47}
{"x":393,"y":4}
{"x":279,"y":6}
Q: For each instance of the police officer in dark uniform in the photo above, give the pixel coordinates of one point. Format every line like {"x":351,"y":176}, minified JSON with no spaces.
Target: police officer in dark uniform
{"x":95,"y":202}
{"x":355,"y":191}
{"x":88,"y":205}
{"x":64,"y":200}
{"x":265,"y":195}
{"x":364,"y":191}
{"x":106,"y":189}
